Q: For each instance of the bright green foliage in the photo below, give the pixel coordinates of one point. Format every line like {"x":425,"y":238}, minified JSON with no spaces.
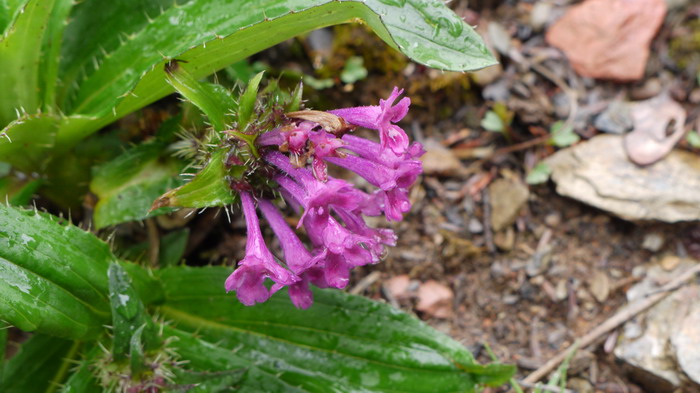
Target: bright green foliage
{"x":344,"y":342}
{"x":69,"y":80}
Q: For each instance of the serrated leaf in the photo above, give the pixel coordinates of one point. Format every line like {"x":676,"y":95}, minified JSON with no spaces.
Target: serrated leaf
{"x":342,"y":343}
{"x":20,"y":58}
{"x":214,"y":100}
{"x":212,"y":34}
{"x":53,"y":275}
{"x":208,"y":188}
{"x":128,"y":185}
{"x":41,"y":364}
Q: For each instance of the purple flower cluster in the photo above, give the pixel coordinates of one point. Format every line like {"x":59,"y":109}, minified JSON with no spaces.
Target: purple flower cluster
{"x":332,"y":209}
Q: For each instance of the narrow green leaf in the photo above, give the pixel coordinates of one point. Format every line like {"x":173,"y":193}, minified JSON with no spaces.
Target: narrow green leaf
{"x":212,"y":34}
{"x":295,"y":102}
{"x":208,"y":188}
{"x":51,"y":53}
{"x":8,"y":12}
{"x":82,"y":379}
{"x":128,"y":315}
{"x":214,"y":100}
{"x":136,"y":352}
{"x":41,"y":364}
{"x":20,"y":58}
{"x":18,"y":192}
{"x":246,"y":103}
{"x":342,"y":343}
{"x":209,"y":381}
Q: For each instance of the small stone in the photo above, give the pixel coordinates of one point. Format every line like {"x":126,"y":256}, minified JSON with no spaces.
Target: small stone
{"x":650,"y":88}
{"x":600,"y":286}
{"x":687,"y":342}
{"x":580,"y":385}
{"x":475,"y":226}
{"x":553,"y":219}
{"x":670,"y":262}
{"x":505,"y":240}
{"x":508,"y":196}
{"x":439,"y":160}
{"x":616,"y":119}
{"x":540,"y":15}
{"x":561,"y":291}
{"x":653,"y":241}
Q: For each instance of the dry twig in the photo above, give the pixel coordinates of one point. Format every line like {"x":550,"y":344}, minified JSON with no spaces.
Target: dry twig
{"x":613,"y":322}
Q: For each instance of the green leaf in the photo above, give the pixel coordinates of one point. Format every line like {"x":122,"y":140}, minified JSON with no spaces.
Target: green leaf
{"x":128,"y":185}
{"x":208,"y":188}
{"x":246,"y":103}
{"x":172,"y":247}
{"x":137,"y":358}
{"x":214,"y":100}
{"x":41,"y":364}
{"x":493,"y":122}
{"x":82,"y":379}
{"x":539,"y":174}
{"x":354,"y":70}
{"x":128,"y":315}
{"x":20,"y":58}
{"x":318,"y":84}
{"x":563,"y":135}
{"x":693,"y":139}
{"x":208,"y":381}
{"x":53,"y":276}
{"x":342,"y":343}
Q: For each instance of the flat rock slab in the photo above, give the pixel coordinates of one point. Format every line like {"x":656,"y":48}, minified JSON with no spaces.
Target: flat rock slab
{"x":599,"y":173}
{"x":660,"y":346}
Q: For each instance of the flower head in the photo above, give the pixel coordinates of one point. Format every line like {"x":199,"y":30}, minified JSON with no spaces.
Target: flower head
{"x":296,"y":156}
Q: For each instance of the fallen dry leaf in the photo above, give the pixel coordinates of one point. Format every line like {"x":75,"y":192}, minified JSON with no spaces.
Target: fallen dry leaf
{"x":435,"y":299}
{"x":398,"y":286}
{"x":439,"y":160}
{"x":648,"y":142}
{"x":608,"y":39}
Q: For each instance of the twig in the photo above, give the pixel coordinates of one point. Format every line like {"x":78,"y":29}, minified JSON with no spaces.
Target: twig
{"x":488,"y":231}
{"x":545,"y":388}
{"x":613,"y":322}
{"x":365,"y":283}
{"x":153,"y":241}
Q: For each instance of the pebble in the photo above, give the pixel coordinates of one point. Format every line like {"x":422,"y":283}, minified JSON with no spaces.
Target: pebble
{"x":653,"y":241}
{"x":670,"y":262}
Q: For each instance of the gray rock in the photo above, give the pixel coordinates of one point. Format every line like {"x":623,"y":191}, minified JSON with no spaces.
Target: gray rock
{"x":616,"y":119}
{"x":598,"y":172}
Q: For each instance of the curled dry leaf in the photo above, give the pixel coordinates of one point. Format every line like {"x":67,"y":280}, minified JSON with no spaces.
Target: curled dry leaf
{"x":650,"y":140}
{"x":435,"y":299}
{"x":330,"y":122}
{"x":608,"y":39}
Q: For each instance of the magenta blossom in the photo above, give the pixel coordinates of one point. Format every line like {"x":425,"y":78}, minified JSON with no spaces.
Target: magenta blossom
{"x":295,"y":157}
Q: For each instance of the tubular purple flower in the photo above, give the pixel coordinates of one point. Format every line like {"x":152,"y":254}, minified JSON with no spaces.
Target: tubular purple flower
{"x":259,"y":263}
{"x":295,"y":155}
{"x":380,"y":117}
